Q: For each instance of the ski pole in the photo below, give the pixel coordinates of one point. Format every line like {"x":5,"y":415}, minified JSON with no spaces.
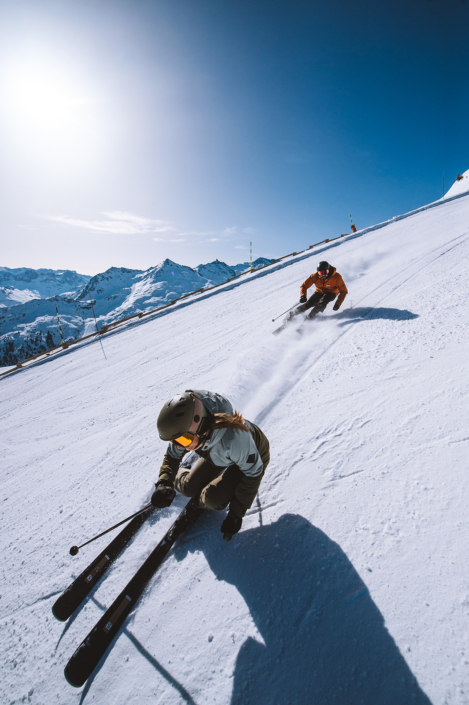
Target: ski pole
{"x":282,"y":314}
{"x":74,"y":549}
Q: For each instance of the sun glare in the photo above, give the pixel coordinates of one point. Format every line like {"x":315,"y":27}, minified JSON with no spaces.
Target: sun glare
{"x":50,"y":113}
{"x":40,"y":99}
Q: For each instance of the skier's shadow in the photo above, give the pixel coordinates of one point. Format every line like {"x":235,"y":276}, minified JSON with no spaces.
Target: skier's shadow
{"x":325,"y":639}
{"x":370,"y":313}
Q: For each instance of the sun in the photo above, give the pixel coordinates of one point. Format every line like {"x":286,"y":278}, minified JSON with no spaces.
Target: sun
{"x":41,"y":99}
{"x":50,"y":111}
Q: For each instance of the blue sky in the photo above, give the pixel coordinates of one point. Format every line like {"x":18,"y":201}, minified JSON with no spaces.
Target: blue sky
{"x":132,"y":131}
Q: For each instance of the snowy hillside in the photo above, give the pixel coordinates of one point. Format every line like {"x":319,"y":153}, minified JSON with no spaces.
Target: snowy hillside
{"x":461,"y":185}
{"x":20,"y":285}
{"x":33,"y":327}
{"x":348,"y":581}
{"x":29,"y":329}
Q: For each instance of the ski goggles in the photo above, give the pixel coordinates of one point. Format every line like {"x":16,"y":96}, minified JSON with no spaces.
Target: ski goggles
{"x":323,"y":273}
{"x":185,"y":440}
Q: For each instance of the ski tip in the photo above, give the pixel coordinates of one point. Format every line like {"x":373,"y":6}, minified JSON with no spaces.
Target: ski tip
{"x":57,"y":615}
{"x":227,"y":537}
{"x":69,"y":677}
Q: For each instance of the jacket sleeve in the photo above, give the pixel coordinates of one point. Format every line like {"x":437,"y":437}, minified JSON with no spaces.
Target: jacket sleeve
{"x":343,"y":291}
{"x":307,"y":283}
{"x":171,"y":463}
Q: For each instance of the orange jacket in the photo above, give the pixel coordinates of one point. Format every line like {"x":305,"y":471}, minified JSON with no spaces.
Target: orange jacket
{"x":334,"y":284}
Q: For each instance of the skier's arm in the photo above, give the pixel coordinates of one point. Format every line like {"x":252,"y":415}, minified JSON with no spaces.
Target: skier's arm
{"x":171,"y":462}
{"x":307,"y":283}
{"x":343,"y":291}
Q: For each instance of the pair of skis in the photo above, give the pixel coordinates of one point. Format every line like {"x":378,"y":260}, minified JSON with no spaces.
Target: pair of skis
{"x":87,"y":656}
{"x":287,"y":323}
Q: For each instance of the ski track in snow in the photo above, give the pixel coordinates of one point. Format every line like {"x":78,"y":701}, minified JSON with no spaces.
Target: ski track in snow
{"x":348,"y":579}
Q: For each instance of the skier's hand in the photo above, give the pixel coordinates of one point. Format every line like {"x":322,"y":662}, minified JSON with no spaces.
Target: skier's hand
{"x":232,"y":524}
{"x":163,"y":495}
{"x":303,"y":299}
{"x":336,"y":307}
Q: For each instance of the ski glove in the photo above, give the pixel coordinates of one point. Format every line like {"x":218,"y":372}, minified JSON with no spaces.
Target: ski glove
{"x":336,"y":307}
{"x":303,"y":299}
{"x":163,"y":495}
{"x":232,"y":524}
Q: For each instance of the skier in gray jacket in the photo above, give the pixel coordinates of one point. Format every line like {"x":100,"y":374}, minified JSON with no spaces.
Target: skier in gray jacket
{"x":234,"y":454}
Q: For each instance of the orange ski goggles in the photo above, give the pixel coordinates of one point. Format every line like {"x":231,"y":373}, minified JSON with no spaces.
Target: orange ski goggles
{"x":185,"y":440}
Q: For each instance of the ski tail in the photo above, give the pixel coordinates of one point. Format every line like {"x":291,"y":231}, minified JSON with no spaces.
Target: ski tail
{"x":87,"y":656}
{"x":73,"y":596}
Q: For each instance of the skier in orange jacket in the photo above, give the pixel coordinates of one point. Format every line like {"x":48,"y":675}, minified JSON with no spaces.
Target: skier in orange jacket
{"x":328,"y":283}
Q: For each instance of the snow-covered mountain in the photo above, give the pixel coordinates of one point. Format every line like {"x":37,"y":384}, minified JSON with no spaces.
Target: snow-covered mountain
{"x":121,"y":292}
{"x":29,"y":328}
{"x":348,"y":582}
{"x":22,"y":284}
{"x":218,"y":272}
{"x":33,"y":327}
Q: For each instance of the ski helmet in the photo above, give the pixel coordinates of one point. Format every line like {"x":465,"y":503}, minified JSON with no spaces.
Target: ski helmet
{"x":324,"y":266}
{"x":182,"y":414}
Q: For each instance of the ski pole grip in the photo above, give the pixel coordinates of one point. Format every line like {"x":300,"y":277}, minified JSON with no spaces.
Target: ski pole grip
{"x":227,"y":537}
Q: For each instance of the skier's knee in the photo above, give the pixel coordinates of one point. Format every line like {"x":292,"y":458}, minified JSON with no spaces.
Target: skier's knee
{"x":210,"y":499}
{"x":182,"y":485}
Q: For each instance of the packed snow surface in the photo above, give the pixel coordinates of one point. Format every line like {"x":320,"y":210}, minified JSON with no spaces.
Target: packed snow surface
{"x":348,"y":582}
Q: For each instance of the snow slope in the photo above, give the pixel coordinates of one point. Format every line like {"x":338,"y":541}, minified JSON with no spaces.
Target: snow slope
{"x":461,"y":186}
{"x":348,"y":582}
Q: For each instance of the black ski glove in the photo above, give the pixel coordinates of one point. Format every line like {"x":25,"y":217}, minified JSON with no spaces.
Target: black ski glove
{"x":163,"y":495}
{"x":303,"y":299}
{"x":336,"y":307}
{"x":232,"y":524}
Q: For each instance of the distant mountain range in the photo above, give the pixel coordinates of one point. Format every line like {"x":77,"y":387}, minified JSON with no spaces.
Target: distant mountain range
{"x":20,"y":285}
{"x":29,"y":298}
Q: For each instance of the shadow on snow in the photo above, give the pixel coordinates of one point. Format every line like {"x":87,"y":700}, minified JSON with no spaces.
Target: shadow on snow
{"x":370,"y":314}
{"x":325,"y":639}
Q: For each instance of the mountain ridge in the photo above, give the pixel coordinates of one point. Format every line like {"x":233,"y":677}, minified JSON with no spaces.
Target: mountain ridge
{"x":31,"y":326}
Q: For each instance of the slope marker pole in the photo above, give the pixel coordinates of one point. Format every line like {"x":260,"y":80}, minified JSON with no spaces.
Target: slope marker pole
{"x":96,"y":324}
{"x":92,"y":308}
{"x":64,"y":344}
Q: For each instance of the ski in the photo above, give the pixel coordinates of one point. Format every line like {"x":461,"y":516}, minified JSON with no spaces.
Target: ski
{"x":76,"y":592}
{"x":285,"y":324}
{"x":87,"y":656}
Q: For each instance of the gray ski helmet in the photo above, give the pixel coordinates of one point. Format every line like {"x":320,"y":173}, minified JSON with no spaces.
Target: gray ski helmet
{"x":181,"y":414}
{"x":323,"y":266}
